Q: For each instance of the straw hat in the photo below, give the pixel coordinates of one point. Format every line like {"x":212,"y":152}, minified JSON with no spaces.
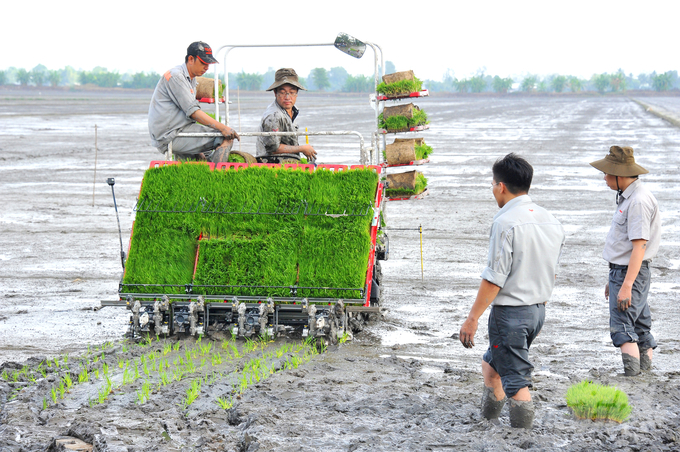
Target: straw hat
{"x":283,"y":76}
{"x":619,"y":162}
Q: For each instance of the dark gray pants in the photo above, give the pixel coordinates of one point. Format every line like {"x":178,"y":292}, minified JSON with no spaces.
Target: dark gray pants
{"x":190,"y":147}
{"x":512,"y":329}
{"x":633,"y":324}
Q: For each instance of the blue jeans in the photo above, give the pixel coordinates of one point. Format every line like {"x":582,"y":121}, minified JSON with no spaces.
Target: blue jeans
{"x":512,"y":329}
{"x":633,"y":324}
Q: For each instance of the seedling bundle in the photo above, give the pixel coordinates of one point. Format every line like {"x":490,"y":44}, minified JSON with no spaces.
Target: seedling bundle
{"x":405,"y":184}
{"x":399,"y":84}
{"x":593,"y":401}
{"x":255,"y":231}
{"x":404,"y":151}
{"x":402,"y":118}
{"x":205,"y":89}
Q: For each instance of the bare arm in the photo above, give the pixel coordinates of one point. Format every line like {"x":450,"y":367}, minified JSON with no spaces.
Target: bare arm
{"x":625,"y":292}
{"x":485,"y":295}
{"x":306,"y":149}
{"x":226,"y":131}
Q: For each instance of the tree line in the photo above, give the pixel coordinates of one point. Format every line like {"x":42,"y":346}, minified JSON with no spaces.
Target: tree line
{"x":557,"y":83}
{"x":337,"y":79}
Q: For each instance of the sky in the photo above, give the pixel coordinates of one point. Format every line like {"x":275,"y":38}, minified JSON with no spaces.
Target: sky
{"x":506,"y":38}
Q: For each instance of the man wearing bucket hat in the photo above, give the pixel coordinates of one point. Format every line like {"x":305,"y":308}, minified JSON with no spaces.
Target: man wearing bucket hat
{"x":174,"y":109}
{"x":280,"y":116}
{"x":633,"y":240}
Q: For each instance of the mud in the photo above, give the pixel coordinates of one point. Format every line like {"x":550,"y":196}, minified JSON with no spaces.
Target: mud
{"x":403,"y":383}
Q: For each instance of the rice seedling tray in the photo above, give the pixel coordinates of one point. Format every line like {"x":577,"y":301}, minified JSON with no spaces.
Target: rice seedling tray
{"x":187,"y":230}
{"x":420,"y":195}
{"x":421,"y":93}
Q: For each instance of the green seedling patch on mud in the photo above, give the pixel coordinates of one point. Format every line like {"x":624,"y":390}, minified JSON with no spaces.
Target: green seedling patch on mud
{"x":240,"y":248}
{"x":593,"y":401}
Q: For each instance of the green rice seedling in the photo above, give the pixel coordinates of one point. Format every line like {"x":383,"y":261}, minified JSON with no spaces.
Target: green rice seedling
{"x":102,"y":395}
{"x":594,"y":401}
{"x":192,"y":392}
{"x":236,"y":158}
{"x":205,"y":348}
{"x":68,"y":381}
{"x":65,"y":358}
{"x":44,"y":404}
{"x":105,"y":369}
{"x":224,"y":403}
{"x":167,"y":348}
{"x":216,"y":359}
{"x":146,"y":369}
{"x":164,"y":378}
{"x":144,"y":393}
{"x":83,"y":376}
{"x":400,"y":87}
{"x":423,"y":151}
{"x":5,"y":375}
{"x":176,"y":346}
{"x":62,"y":389}
{"x":121,"y":363}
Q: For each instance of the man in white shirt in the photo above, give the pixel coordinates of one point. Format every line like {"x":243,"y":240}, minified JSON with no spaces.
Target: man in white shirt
{"x":524,"y":250}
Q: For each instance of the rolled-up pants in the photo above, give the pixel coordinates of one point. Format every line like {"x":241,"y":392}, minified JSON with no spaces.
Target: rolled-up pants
{"x":633,"y":324}
{"x":512,"y":329}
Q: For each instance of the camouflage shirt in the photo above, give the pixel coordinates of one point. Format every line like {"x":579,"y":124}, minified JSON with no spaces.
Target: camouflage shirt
{"x":276,"y":119}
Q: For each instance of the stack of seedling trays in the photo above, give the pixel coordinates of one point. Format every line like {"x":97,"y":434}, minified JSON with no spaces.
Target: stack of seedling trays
{"x":404,"y":152}
{"x":254,"y":231}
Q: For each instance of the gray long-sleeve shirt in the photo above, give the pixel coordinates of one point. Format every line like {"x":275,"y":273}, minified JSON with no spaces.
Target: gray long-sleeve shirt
{"x":524,"y":249}
{"x":636,"y":217}
{"x":172,"y":104}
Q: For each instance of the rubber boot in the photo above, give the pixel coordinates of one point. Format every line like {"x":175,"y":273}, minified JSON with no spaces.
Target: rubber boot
{"x":221,"y":153}
{"x":491,"y":407}
{"x":645,"y":360}
{"x":521,"y":414}
{"x":631,"y":365}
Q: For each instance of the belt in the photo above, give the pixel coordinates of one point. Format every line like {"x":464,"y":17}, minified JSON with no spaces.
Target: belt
{"x":644,"y":264}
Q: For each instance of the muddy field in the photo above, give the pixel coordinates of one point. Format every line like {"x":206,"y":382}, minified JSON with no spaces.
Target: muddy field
{"x":403,"y":383}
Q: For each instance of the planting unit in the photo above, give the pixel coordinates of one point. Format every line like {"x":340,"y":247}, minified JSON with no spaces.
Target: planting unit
{"x":254,"y":249}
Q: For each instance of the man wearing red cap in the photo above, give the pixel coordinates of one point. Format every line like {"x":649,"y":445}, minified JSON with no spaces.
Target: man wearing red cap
{"x":174,"y":109}
{"x":633,"y":240}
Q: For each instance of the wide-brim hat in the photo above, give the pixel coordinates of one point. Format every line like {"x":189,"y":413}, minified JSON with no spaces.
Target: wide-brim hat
{"x":284,"y":76}
{"x":619,"y":162}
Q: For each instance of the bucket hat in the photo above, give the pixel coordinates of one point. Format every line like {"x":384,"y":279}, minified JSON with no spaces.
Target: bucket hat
{"x":619,"y":162}
{"x":283,"y":76}
{"x":201,"y":50}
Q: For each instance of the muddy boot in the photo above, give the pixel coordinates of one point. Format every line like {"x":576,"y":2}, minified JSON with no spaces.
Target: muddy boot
{"x":521,"y":414}
{"x":221,"y":153}
{"x":645,"y":360}
{"x":491,"y":407}
{"x":631,"y":365}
